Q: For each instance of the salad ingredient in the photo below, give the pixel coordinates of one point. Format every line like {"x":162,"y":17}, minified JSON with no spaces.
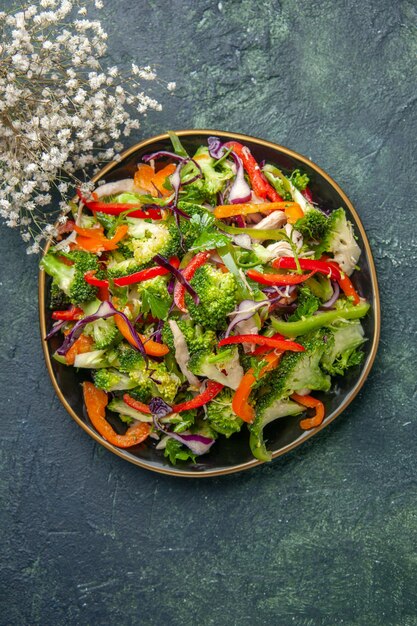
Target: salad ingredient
{"x":279,"y":279}
{"x":230,"y":210}
{"x":260,"y":185}
{"x":278,"y":344}
{"x":311,"y":403}
{"x":240,"y":402}
{"x":96,"y":402}
{"x":306,"y":325}
{"x":187,"y":273}
{"x":324,"y":266}
{"x":207,"y":296}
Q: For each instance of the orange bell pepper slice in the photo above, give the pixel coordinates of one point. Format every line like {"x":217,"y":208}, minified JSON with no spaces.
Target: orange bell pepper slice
{"x":99,"y":243}
{"x":146,"y":179}
{"x":96,"y":401}
{"x":160,"y":177}
{"x":240,"y":400}
{"x":152,"y":348}
{"x":80,"y":346}
{"x":230,"y":210}
{"x":293,"y":213}
{"x":89,"y":232}
{"x":310,"y":403}
{"x":143,"y":177}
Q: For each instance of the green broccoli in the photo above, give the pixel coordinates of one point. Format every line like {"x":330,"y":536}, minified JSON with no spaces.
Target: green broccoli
{"x":299,"y":180}
{"x":221,"y":416}
{"x":340,"y":241}
{"x":196,"y":338}
{"x":307,"y":304}
{"x":104,"y":332}
{"x":314,"y":225}
{"x":118,"y":267}
{"x":112,"y":380}
{"x":214,"y":176}
{"x":150,"y":238}
{"x":342,"y":351}
{"x":300,"y":370}
{"x":269,"y":409}
{"x":151,"y":380}
{"x":57,"y":298}
{"x":218,"y":294}
{"x":223,"y":367}
{"x":70,"y":278}
{"x":154,"y":297}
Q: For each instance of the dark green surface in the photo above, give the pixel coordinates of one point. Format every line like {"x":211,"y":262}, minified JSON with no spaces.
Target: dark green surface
{"x":326,"y":535}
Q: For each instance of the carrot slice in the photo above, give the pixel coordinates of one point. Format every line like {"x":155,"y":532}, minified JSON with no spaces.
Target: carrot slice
{"x":96,"y":402}
{"x":153,"y":348}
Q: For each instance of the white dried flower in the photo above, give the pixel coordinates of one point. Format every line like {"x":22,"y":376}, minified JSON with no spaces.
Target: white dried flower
{"x":60,"y":109}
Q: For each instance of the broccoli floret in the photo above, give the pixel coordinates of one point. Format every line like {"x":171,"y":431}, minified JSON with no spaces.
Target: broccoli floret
{"x":299,"y":180}
{"x":191,"y":229}
{"x":314,"y":225}
{"x":307,"y":304}
{"x":217,"y":292}
{"x":104,"y":332}
{"x":198,"y":192}
{"x":112,"y":380}
{"x":150,"y":238}
{"x":342,"y":351}
{"x":221,"y":416}
{"x":154,"y":297}
{"x":70,"y":278}
{"x":151,"y":380}
{"x":268,"y":410}
{"x":214,"y":177}
{"x":196,"y":338}
{"x":57,"y":298}
{"x":300,"y":370}
{"x":176,"y":451}
{"x":340,"y":241}
{"x":223,"y":367}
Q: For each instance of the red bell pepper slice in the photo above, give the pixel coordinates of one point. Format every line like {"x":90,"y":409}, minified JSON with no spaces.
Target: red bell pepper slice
{"x":113,"y":208}
{"x":265,"y":349}
{"x":188,"y":272}
{"x":259,"y":184}
{"x":146,"y":274}
{"x":136,"y":404}
{"x":211,"y":391}
{"x":90,"y":278}
{"x":71,"y":314}
{"x":310,"y":403}
{"x":323,"y":266}
{"x":261,"y":340}
{"x":278,"y":279}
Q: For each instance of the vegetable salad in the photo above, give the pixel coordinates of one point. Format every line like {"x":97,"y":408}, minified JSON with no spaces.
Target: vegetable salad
{"x":206,"y":295}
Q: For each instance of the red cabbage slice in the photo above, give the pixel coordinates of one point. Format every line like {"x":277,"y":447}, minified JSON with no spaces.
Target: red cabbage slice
{"x":105,"y":310}
{"x":160,"y":260}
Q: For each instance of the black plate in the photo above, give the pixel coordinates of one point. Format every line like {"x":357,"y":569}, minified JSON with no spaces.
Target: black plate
{"x":230,"y":455}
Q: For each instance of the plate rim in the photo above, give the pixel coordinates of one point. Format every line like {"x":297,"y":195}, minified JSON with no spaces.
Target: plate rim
{"x":295,"y":444}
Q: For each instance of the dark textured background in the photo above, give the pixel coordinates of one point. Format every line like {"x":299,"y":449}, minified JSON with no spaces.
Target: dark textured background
{"x":326,"y":535}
